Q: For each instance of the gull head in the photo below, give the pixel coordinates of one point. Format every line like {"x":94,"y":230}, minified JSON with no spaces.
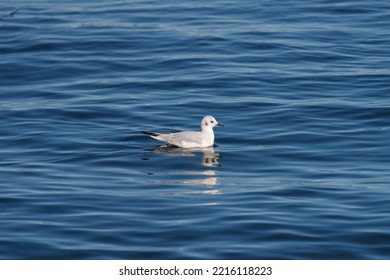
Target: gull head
{"x":209,"y":122}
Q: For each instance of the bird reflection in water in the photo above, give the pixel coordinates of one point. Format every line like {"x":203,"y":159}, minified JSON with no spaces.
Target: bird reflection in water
{"x":209,"y":159}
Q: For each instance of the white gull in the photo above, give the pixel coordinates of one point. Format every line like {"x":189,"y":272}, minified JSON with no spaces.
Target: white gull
{"x":190,"y":139}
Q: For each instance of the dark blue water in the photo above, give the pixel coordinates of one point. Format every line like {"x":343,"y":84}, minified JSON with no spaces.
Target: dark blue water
{"x":301,"y":169}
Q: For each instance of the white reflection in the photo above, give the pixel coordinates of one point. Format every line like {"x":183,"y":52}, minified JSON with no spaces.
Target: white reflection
{"x":209,"y":156}
{"x":209,"y":159}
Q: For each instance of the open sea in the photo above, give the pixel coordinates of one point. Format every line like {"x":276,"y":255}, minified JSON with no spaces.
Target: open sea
{"x":301,"y":169}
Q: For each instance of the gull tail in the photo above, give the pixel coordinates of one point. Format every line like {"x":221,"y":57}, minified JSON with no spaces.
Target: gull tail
{"x":155,"y":134}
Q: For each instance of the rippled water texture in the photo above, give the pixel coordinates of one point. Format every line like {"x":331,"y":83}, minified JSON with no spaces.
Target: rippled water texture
{"x":301,"y":169}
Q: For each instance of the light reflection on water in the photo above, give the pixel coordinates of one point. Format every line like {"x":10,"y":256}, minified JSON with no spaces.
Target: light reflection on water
{"x":209,"y":159}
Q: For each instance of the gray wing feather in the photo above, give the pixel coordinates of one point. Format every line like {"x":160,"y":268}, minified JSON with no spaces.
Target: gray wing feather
{"x":179,"y":138}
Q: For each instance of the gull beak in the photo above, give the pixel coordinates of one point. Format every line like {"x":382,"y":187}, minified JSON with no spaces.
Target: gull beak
{"x":220,"y":124}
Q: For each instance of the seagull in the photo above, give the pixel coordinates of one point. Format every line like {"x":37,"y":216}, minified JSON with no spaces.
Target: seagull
{"x":190,"y":139}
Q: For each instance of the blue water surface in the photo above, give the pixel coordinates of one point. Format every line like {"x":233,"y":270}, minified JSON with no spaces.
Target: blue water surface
{"x":301,"y":169}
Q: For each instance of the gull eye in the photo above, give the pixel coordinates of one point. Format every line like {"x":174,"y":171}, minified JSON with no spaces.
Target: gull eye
{"x":212,"y":121}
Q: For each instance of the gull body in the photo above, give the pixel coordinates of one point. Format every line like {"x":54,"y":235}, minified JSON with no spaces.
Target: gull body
{"x":190,"y":139}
